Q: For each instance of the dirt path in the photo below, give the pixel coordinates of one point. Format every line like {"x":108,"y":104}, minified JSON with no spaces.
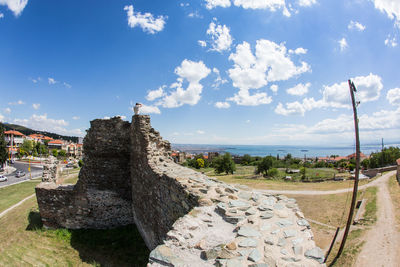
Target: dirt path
{"x":383,"y":240}
{"x":328,"y":192}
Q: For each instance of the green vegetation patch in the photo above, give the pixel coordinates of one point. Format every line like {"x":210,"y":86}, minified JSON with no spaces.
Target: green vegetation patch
{"x":13,"y":194}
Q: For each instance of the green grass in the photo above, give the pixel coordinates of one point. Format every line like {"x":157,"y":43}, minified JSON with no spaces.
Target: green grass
{"x":13,"y":194}
{"x":371,"y":206}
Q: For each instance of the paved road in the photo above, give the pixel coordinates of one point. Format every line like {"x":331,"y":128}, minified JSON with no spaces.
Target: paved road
{"x":35,"y":169}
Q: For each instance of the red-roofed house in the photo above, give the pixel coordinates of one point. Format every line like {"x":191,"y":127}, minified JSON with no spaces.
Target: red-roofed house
{"x":56,"y":144}
{"x":39,"y":138}
{"x":14,"y":140}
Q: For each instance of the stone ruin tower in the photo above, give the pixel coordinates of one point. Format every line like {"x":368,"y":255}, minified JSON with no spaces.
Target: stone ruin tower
{"x":184,"y":217}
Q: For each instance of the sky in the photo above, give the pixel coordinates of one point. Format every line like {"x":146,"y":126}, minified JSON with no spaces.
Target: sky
{"x":266,"y":72}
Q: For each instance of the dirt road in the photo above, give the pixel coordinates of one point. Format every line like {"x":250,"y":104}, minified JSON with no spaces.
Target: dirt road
{"x":382,"y":247}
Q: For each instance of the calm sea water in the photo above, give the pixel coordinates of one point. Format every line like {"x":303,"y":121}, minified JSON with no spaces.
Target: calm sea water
{"x":264,"y":150}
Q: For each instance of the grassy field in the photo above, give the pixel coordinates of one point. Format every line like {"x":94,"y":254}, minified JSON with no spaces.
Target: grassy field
{"x":13,"y":194}
{"x":394,"y":189}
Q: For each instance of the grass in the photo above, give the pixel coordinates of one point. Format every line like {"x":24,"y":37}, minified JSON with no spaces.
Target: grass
{"x":13,"y":194}
{"x":371,"y":206}
{"x":24,"y":242}
{"x":394,"y":189}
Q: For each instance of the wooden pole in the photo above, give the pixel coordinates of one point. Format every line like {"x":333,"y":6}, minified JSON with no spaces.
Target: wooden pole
{"x":353,"y":201}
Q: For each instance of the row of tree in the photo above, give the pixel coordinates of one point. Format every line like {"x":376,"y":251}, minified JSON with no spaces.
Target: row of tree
{"x":386,"y":157}
{"x":222,"y":163}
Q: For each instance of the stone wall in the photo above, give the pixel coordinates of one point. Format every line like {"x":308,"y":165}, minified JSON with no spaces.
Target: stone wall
{"x":102,"y":196}
{"x":185,"y":217}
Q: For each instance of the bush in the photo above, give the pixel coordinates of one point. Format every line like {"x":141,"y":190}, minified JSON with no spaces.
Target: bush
{"x":224,"y":164}
{"x":273,"y":172}
{"x":80,"y":163}
{"x":265,"y":164}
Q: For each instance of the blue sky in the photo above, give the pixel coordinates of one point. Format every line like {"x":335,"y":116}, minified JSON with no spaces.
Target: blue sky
{"x":208,"y":71}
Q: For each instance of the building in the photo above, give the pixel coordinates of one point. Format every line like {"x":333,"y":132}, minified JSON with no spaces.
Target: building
{"x":212,"y":155}
{"x":14,"y":140}
{"x":57,"y":144}
{"x":39,"y":138}
{"x":179,"y":157}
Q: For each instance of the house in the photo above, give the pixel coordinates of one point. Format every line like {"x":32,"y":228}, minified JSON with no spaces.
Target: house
{"x":57,"y":144}
{"x":179,"y":157}
{"x":14,"y":140}
{"x":39,"y":138}
{"x":353,"y":156}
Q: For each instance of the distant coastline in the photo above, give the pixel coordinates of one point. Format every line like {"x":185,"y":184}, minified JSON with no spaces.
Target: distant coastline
{"x":281,"y":150}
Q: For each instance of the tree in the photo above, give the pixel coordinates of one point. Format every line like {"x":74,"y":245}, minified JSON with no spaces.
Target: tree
{"x":265,"y":164}
{"x":273,"y":172}
{"x":54,"y":152}
{"x":199,"y":163}
{"x":27,"y":147}
{"x":224,"y":164}
{"x":303,"y":173}
{"x":3,"y":147}
{"x":246,"y":159}
{"x":62,"y":153}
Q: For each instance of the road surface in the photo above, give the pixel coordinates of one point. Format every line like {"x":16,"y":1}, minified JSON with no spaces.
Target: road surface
{"x":35,"y":169}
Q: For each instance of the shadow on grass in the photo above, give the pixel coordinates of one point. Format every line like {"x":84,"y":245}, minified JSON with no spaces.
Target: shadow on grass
{"x":122,"y":246}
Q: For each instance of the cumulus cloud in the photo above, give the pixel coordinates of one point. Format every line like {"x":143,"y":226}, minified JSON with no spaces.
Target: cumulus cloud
{"x":202,"y":43}
{"x":298,"y":51}
{"x":195,"y":15}
{"x":191,"y":72}
{"x":222,"y":105}
{"x":355,"y":25}
{"x":19,"y":102}
{"x":43,"y":123}
{"x":1,"y":15}
{"x":391,"y":8}
{"x":221,"y":38}
{"x":244,"y":98}
{"x":51,"y":80}
{"x":393,"y":96}
{"x":1,"y":117}
{"x":210,"y":4}
{"x":36,"y":106}
{"x":75,"y":118}
{"x":146,"y":21}
{"x":274,"y":88}
{"x":336,"y":96}
{"x":145,"y":109}
{"x":16,"y":6}
{"x":200,"y":132}
{"x":299,"y":89}
{"x":390,"y":41}
{"x":67,"y":85}
{"x":154,"y":94}
{"x":307,"y":2}
{"x":343,"y":44}
{"x":7,"y":110}
{"x":218,"y":81}
{"x":272,"y":5}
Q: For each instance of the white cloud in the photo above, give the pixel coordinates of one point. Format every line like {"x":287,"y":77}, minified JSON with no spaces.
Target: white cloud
{"x":243,"y":98}
{"x":270,"y":63}
{"x":222,"y":105}
{"x":336,"y":96}
{"x":248,"y":121}
{"x":221,"y":39}
{"x":146,"y":21}
{"x":391,"y":41}
{"x":200,"y":132}
{"x":106,"y":118}
{"x":36,"y":106}
{"x":202,"y":43}
{"x":19,"y":102}
{"x":307,"y":2}
{"x":274,"y":88}
{"x":7,"y":110}
{"x":75,"y":118}
{"x":51,"y":80}
{"x":149,"y":110}
{"x":393,"y":96}
{"x":1,"y":117}
{"x":192,"y":72}
{"x":1,"y":15}
{"x":43,"y":123}
{"x":210,"y":4}
{"x":299,"y":89}
{"x":154,"y":94}
{"x":272,"y":5}
{"x":121,"y":116}
{"x":16,"y":6}
{"x":298,"y":51}
{"x":355,"y":25}
{"x":67,"y":85}
{"x":195,"y":15}
{"x":38,"y":79}
{"x":391,"y":8}
{"x":343,"y":44}
{"x":218,"y":81}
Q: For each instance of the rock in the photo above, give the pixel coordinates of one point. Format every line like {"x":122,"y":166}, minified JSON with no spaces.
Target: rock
{"x":271,"y":262}
{"x":265,"y":226}
{"x":244,"y":195}
{"x":269,"y":201}
{"x":231,"y":246}
{"x":227,"y":254}
{"x":229,"y":190}
{"x":234,"y":219}
{"x":164,"y":255}
{"x":211,"y":253}
{"x":201,"y":245}
{"x":281,"y":242}
{"x":289,"y":233}
{"x":303,"y":222}
{"x":284,"y":223}
{"x":259,"y":265}
{"x":245,"y":252}
{"x":221,"y":208}
{"x":218,"y":190}
{"x":251,"y":211}
{"x":284,"y":251}
{"x":298,"y":249}
{"x":205,"y":202}
{"x":275,"y":231}
{"x":254,"y":255}
{"x":316,"y":254}
{"x":266,"y":215}
{"x":248,"y":232}
{"x":282,"y":213}
{"x":239,"y":204}
{"x":297,"y":241}
{"x":232,"y":197}
{"x":269,"y":240}
{"x":248,"y":242}
{"x":263,"y":207}
{"x":279,"y":206}
{"x":291,"y":259}
{"x":299,"y":214}
{"x":291,"y":205}
{"x":234,"y":263}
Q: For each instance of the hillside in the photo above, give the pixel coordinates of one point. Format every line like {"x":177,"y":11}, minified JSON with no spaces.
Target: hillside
{"x":28,"y":131}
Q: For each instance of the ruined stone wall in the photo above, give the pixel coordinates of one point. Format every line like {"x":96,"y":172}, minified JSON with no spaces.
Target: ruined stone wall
{"x":102,"y":196}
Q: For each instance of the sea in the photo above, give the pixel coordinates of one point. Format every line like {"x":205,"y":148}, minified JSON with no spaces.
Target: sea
{"x":281,"y":150}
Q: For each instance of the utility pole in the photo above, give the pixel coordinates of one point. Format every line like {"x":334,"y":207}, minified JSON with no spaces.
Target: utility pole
{"x":382,"y":145}
{"x":353,"y":201}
